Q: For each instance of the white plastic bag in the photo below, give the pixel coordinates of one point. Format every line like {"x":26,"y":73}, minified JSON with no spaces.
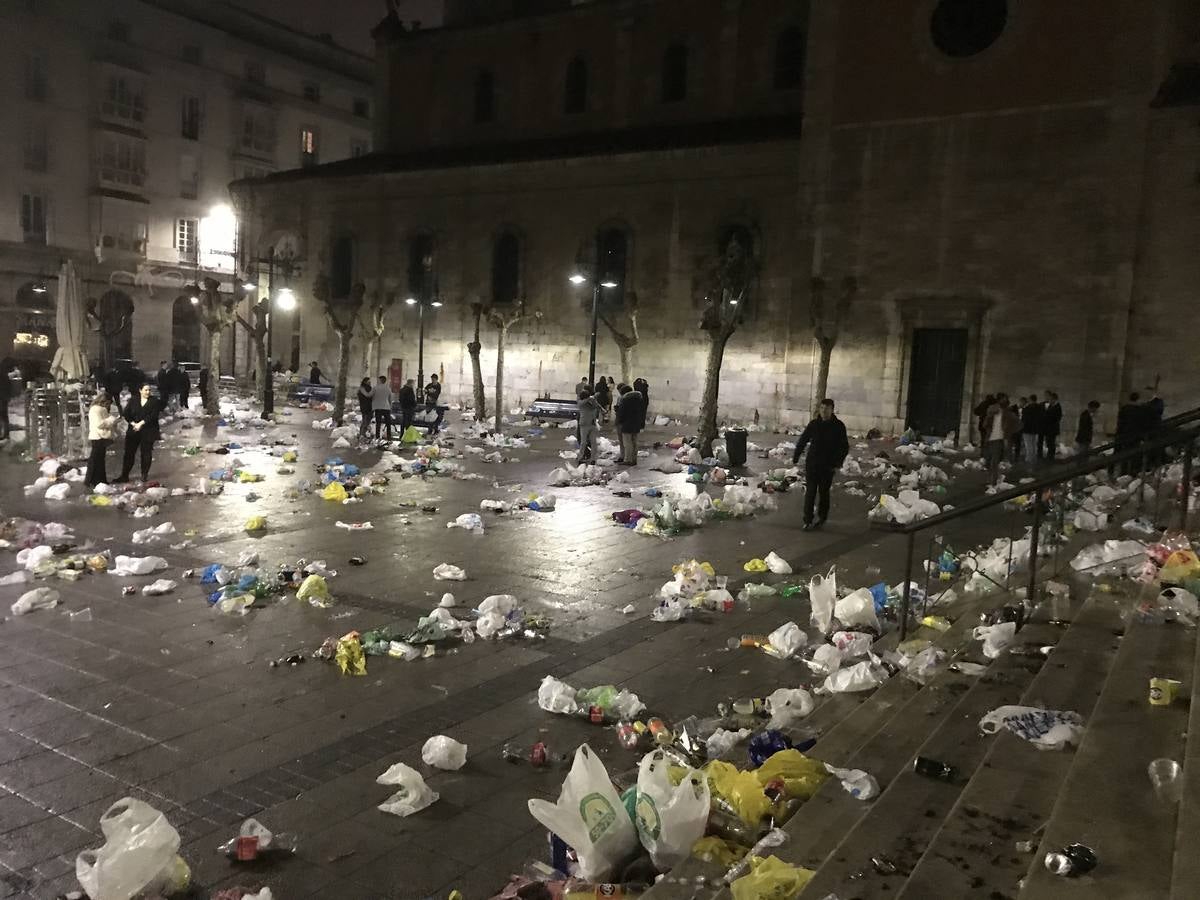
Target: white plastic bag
{"x":58,"y":491}
{"x":1182,"y":603}
{"x":787,"y":639}
{"x":670,"y":818}
{"x":414,"y":794}
{"x":861,"y":676}
{"x":447,"y":572}
{"x":826,"y":660}
{"x":38,"y":598}
{"x":777,"y":564}
{"x":32,"y":557}
{"x":995,"y":637}
{"x":1046,"y":729}
{"x":722,"y":741}
{"x":786,"y":705}
{"x":822,"y":591}
{"x":160,"y":586}
{"x":443,"y":752}
{"x":472,"y":522}
{"x":853,"y":644}
{"x":137,"y":565}
{"x":590,"y":817}
{"x":857,"y":608}
{"x":858,"y":784}
{"x":139,"y":844}
{"x":556,"y":696}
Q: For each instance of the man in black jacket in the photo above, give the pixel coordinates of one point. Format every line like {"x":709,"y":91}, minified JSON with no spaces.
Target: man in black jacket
{"x":1051,"y":425}
{"x":142,"y":414}
{"x":1086,"y":429}
{"x":825,"y":438}
{"x":408,"y":405}
{"x":631,"y":419}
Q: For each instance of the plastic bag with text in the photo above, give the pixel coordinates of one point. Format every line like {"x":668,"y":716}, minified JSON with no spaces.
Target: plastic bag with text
{"x":670,"y":817}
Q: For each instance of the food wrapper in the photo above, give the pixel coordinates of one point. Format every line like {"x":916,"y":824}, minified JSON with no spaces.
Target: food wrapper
{"x":349,"y":655}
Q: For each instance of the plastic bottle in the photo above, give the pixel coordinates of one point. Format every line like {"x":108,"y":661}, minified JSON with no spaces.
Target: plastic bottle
{"x":627,"y":735}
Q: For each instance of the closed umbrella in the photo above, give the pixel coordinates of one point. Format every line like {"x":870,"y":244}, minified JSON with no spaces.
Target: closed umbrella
{"x":70,"y":362}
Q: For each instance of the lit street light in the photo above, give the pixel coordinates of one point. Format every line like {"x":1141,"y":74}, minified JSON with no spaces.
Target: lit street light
{"x":284,"y":300}
{"x":578,"y":278}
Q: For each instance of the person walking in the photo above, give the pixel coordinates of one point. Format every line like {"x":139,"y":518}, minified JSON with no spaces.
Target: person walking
{"x":643,"y":387}
{"x":381,"y":402}
{"x":589,"y":411}
{"x":631,"y":419}
{"x":100,"y":434}
{"x":164,"y":382}
{"x":183,"y":385}
{"x":1086,"y":428}
{"x":604,"y":398}
{"x":825,"y":439}
{"x":1031,"y":428}
{"x":981,"y":412}
{"x":998,"y":427}
{"x":433,"y":391}
{"x":1051,"y":425}
{"x":365,"y":393}
{"x":141,"y":412}
{"x":408,"y":406}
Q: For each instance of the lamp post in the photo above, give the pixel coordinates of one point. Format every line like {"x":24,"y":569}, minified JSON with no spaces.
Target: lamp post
{"x":421,"y":303}
{"x":285,"y":300}
{"x":578,"y":278}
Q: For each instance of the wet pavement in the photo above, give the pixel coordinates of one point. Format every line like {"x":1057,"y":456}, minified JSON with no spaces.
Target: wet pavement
{"x":165,"y":699}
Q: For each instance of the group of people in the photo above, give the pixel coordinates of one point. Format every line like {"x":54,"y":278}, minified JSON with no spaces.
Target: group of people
{"x":141,"y":414}
{"x":375,"y":404}
{"x":631,"y":405}
{"x":174,"y":383}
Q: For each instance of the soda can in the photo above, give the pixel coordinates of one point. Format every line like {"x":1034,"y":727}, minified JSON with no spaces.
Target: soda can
{"x":1163,"y":691}
{"x":596,"y":715}
{"x":245,"y":848}
{"x":537,"y":755}
{"x":932,"y":768}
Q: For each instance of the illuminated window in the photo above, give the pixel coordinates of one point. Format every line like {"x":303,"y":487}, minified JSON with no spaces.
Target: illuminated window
{"x":308,"y":147}
{"x":186,"y":231}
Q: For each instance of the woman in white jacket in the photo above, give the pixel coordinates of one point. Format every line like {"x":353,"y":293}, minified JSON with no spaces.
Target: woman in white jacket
{"x":100,"y":433}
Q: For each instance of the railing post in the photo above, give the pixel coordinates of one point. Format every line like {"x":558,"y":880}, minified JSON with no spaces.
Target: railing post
{"x":1034,"y":534}
{"x":1186,"y":484}
{"x":912,"y":540}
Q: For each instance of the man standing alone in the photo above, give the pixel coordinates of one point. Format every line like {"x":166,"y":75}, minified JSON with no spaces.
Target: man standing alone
{"x":1051,"y":426}
{"x":408,"y":405}
{"x":825,"y":438}
{"x":1086,"y":428}
{"x":381,"y":404}
{"x":589,"y":411}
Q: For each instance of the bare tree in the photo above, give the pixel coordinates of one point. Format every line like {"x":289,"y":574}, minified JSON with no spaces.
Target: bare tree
{"x":731,"y":283}
{"x":376,"y":323}
{"x":258,"y":336}
{"x":107,"y":326}
{"x":217,"y":312}
{"x":502,"y":320}
{"x":623,"y":326}
{"x":473,"y":349}
{"x":343,"y":315}
{"x":827,"y":324}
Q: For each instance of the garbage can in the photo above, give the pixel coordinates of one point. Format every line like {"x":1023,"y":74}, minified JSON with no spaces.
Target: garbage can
{"x":735,"y":446}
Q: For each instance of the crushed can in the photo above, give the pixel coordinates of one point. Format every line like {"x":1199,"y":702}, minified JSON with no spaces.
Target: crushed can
{"x":1071,"y":860}
{"x":537,"y":755}
{"x":932,"y":768}
{"x":1163,"y":691}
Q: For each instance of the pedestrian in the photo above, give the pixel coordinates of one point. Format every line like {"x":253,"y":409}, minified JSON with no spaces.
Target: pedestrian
{"x":381,"y":402}
{"x":164,"y":382}
{"x":981,"y":410}
{"x":1130,"y":419}
{"x":825,"y":439}
{"x":589,"y":411}
{"x":1086,"y":428}
{"x":603,"y":398}
{"x":6,"y":367}
{"x":408,"y":406}
{"x":1031,"y":429}
{"x":314,"y":373}
{"x":365,"y":392}
{"x":433,"y":391}
{"x":584,"y":385}
{"x":1153,"y":418}
{"x":1051,"y":425}
{"x":141,"y":412}
{"x":100,"y":433}
{"x":203,"y":385}
{"x":631,"y":419}
{"x":999,"y":425}
{"x":183,"y":385}
{"x":643,"y":387}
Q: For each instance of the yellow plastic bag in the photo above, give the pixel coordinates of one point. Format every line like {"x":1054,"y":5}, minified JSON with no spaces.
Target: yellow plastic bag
{"x":335,"y":490}
{"x":99,"y":500}
{"x":256,"y":523}
{"x":770,"y":879}
{"x":801,"y":775}
{"x":705,"y":567}
{"x":248,"y":477}
{"x":315,"y":590}
{"x":1180,"y":565}
{"x":741,"y":791}
{"x":411,"y":435}
{"x":290,"y":456}
{"x":349,"y":655}
{"x":755,"y":566}
{"x":718,"y":850}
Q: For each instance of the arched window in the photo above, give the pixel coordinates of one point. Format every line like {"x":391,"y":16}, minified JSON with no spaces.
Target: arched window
{"x":422,"y":281}
{"x":789,"y":59}
{"x":485,"y":97}
{"x":341,"y":267}
{"x":675,"y":74}
{"x":575,"y":88}
{"x":506,"y":269}
{"x":613,"y":254}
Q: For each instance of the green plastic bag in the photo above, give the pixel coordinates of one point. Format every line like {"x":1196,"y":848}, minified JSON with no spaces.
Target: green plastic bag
{"x":770,"y":879}
{"x":410,"y":436}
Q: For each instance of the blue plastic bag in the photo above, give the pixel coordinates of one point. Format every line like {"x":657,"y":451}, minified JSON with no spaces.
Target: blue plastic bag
{"x":766,"y":744}
{"x":879,"y":593}
{"x":208,"y":575}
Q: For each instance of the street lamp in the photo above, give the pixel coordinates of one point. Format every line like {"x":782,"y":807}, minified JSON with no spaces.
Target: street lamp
{"x":577,"y":279}
{"x":286,"y":301}
{"x":421,"y":303}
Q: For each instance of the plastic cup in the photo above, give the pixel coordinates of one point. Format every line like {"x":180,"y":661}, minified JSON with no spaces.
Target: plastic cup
{"x":1166,"y":776}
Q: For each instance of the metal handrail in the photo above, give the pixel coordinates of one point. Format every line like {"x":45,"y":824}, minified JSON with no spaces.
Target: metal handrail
{"x":1186,"y":437}
{"x":1183,"y":418}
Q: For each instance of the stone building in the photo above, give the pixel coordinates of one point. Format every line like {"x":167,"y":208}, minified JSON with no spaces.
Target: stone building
{"x":126,"y":122}
{"x":982,"y":194}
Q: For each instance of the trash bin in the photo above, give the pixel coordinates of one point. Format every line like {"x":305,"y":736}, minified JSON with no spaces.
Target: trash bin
{"x":735,"y":446}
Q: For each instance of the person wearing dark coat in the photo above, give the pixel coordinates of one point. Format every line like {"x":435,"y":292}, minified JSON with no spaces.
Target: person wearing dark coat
{"x":433,"y":392}
{"x":408,"y":405}
{"x":6,"y":366}
{"x":981,"y":412}
{"x":365,"y":395}
{"x":314,"y":373}
{"x":181,"y":384}
{"x":643,"y":387}
{"x":1131,"y":421}
{"x":141,"y":412}
{"x":1031,"y":428}
{"x":1153,"y":417}
{"x":1051,"y":425}
{"x":604,"y":398}
{"x":165,"y":382}
{"x":631,"y":419}
{"x":825,"y":439}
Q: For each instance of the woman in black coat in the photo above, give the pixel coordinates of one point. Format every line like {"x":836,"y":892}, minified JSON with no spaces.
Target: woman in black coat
{"x":142,"y":414}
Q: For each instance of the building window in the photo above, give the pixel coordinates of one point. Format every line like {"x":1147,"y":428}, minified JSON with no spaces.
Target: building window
{"x":506,"y":269}
{"x":185,"y":237}
{"x":256,"y":72}
{"x":358,"y":147}
{"x":189,"y":177}
{"x":190,"y":118}
{"x":575,"y":88}
{"x":421,"y":258}
{"x":675,"y":74}
{"x":37,"y":80}
{"x":33,"y":218}
{"x":613,"y":254}
{"x":308,"y":147}
{"x":485,"y":97}
{"x":123,"y":161}
{"x":789,"y":59}
{"x":312,"y":92}
{"x":362,"y":107}
{"x":118,"y":31}
{"x":258,"y":132}
{"x":129,"y":237}
{"x":37,"y":153}
{"x":124,"y":99}
{"x":341,"y":267}
{"x":962,"y":28}
{"x":193,"y":54}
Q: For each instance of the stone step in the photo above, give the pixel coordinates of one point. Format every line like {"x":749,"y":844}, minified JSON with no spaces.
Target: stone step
{"x":1185,"y":872}
{"x":1106,"y":801}
{"x":1013,"y":791}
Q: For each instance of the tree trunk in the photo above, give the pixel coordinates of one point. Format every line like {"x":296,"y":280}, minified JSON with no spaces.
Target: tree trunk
{"x":263,"y":369}
{"x":213,"y":405}
{"x":339,"y":390}
{"x":501,"y":335}
{"x":473,"y":349}
{"x":712,"y":386}
{"x":626,"y":363}
{"x":375,"y":357}
{"x":822,"y":385}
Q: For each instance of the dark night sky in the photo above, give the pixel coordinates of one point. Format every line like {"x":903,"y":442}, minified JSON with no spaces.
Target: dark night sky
{"x":349,"y":21}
